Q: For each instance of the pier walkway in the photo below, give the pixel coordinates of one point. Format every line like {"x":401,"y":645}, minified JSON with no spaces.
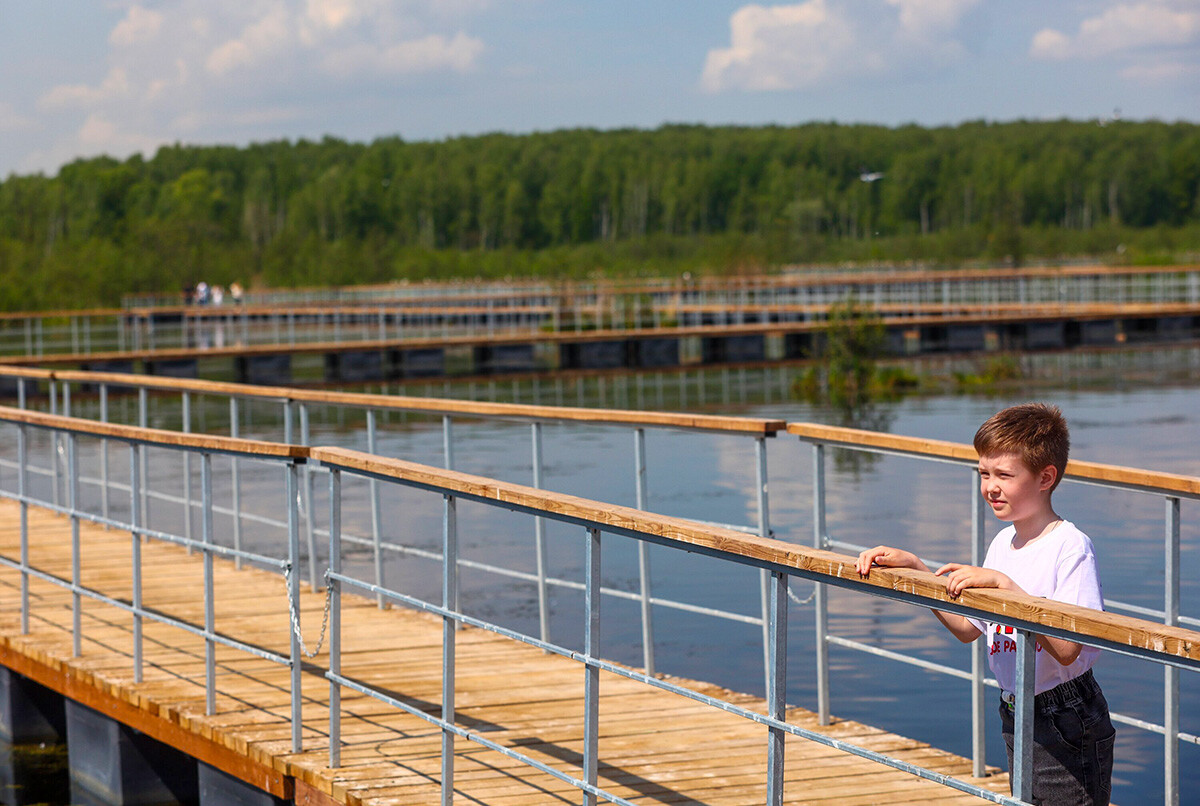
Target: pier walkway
{"x":655,"y":746}
{"x":202,"y":646}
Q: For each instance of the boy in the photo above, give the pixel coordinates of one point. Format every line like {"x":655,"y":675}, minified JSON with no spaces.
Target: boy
{"x":1022,"y":455}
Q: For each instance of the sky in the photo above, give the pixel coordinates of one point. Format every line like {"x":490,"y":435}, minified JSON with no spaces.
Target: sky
{"x":81,"y":78}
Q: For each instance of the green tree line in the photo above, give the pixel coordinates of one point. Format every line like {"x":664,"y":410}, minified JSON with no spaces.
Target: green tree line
{"x":572,"y":202}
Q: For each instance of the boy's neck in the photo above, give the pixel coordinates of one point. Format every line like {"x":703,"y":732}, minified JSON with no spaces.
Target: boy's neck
{"x":1035,"y":526}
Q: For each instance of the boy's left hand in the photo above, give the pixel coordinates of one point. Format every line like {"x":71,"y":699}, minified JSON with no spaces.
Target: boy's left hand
{"x":959,"y":577}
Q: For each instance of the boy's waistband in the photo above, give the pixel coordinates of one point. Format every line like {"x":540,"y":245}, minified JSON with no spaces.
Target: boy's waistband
{"x":1082,"y":687}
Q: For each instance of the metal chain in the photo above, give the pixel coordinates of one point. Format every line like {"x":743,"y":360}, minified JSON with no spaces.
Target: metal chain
{"x":800,"y":601}
{"x":295,"y":616}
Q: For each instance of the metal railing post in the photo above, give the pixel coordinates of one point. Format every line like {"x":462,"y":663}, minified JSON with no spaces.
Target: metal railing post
{"x":777,"y":685}
{"x":539,"y":538}
{"x":449,"y":602}
{"x":293,"y":593}
{"x":764,"y":576}
{"x":135,"y":484}
{"x":376,"y":510}
{"x":236,"y":481}
{"x":591,"y":651}
{"x":104,"y":454}
{"x":448,"y":442}
{"x":187,"y":471}
{"x":643,"y":553}
{"x":76,"y":560}
{"x":820,"y":605}
{"x":55,"y":446}
{"x":1022,"y":766}
{"x":143,"y":419}
{"x":22,"y":491}
{"x":335,"y":617}
{"x":310,"y":539}
{"x":1171,"y":673}
{"x":210,"y":624}
{"x":978,"y":647}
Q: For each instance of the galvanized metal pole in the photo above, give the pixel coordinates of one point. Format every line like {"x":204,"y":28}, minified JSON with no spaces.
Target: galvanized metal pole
{"x":639,"y":453}
{"x":777,"y":685}
{"x":591,"y":651}
{"x":448,"y":442}
{"x":236,"y":481}
{"x":539,"y":538}
{"x":143,"y":419}
{"x":335,"y":617}
{"x":210,"y":624}
{"x":135,"y":485}
{"x":309,"y":526}
{"x":978,"y":647}
{"x":76,"y":559}
{"x":55,"y":446}
{"x":450,"y":602}
{"x":1171,"y":673}
{"x":1022,"y":771}
{"x":104,"y":454}
{"x":376,"y":509}
{"x":764,"y":576}
{"x":820,"y":606}
{"x":187,"y":471}
{"x":22,"y":491}
{"x":293,"y":593}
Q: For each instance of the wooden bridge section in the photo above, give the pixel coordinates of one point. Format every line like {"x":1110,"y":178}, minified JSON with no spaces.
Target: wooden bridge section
{"x":655,"y":747}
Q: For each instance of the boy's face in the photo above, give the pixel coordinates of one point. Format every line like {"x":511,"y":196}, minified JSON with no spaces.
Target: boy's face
{"x":1011,"y":489}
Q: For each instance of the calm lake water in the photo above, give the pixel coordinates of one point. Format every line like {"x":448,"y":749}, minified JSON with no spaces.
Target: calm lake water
{"x":1136,"y":409}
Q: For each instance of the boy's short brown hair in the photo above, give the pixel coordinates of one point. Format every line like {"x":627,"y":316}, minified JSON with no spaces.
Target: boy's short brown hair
{"x":1035,"y":432}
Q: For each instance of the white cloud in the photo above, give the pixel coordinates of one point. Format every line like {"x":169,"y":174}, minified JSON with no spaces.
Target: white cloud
{"x":259,"y":42}
{"x":114,"y":85}
{"x":140,"y":25}
{"x":780,"y":47}
{"x":921,"y":17}
{"x":1122,"y":28}
{"x":805,"y":44}
{"x":13,"y":121}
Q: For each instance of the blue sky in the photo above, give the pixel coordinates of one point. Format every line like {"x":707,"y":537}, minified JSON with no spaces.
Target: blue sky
{"x":88,"y":77}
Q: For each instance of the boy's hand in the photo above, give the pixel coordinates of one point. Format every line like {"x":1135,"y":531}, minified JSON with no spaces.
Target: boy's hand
{"x":959,"y":577}
{"x":887,"y":557}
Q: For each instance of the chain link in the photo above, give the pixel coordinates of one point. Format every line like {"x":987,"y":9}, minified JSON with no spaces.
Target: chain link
{"x":295,"y":616}
{"x":800,"y":601}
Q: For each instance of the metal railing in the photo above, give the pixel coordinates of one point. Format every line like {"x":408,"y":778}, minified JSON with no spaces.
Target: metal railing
{"x":139,"y":441}
{"x":1174,"y":647}
{"x":295,"y":414}
{"x":1169,"y":487}
{"x":294,"y":317}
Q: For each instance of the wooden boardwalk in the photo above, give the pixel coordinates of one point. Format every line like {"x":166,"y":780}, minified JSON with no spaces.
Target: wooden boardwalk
{"x":656,"y":747}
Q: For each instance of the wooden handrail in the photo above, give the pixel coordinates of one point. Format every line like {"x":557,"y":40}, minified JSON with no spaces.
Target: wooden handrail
{"x":155,"y":436}
{"x":417,"y":405}
{"x":920,"y":586}
{"x":1134,"y":478}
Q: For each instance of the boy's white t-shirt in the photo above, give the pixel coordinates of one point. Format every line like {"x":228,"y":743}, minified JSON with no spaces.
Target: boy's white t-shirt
{"x":1060,"y":566}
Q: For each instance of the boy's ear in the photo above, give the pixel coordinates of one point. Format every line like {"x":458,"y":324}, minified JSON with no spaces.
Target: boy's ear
{"x":1047,"y":477}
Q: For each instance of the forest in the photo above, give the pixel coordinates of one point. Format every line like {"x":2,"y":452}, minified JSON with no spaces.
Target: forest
{"x":580,"y":203}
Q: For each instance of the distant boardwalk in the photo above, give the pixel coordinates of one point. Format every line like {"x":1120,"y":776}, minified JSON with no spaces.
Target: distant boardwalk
{"x":655,"y":747}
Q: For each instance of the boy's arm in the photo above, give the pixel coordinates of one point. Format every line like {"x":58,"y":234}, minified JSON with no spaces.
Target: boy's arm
{"x":888,"y":557}
{"x":960,"y":577}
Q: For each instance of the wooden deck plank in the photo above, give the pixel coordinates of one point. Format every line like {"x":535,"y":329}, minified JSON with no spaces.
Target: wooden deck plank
{"x":656,"y":747}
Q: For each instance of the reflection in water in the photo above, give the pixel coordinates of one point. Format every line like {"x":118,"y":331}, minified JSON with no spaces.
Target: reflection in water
{"x":33,"y":773}
{"x":868,"y":415}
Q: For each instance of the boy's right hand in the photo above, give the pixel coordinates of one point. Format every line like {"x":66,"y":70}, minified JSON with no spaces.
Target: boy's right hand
{"x":887,"y":557}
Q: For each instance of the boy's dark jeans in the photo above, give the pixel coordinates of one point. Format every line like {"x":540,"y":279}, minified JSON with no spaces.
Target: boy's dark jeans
{"x":1072,"y":744}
